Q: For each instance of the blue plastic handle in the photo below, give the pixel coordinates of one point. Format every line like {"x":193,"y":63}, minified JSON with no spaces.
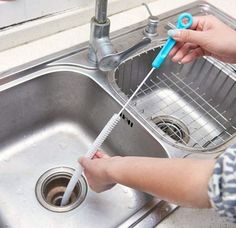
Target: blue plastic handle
{"x":185,"y":21}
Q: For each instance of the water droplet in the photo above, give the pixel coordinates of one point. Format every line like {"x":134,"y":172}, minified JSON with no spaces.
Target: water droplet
{"x":131,"y":195}
{"x":62,"y":145}
{"x":24,"y":200}
{"x":125,"y":190}
{"x":19,"y":191}
{"x":33,"y":145}
{"x":131,"y":206}
{"x":167,"y":209}
{"x":5,"y":160}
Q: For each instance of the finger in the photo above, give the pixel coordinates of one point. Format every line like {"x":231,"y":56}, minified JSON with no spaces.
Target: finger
{"x":200,"y":21}
{"x":189,"y":36}
{"x":175,"y":48}
{"x":101,"y":154}
{"x":197,"y":21}
{"x":96,"y":155}
{"x":84,"y":162}
{"x":184,"y":50}
{"x":192,"y":55}
{"x":86,"y":173}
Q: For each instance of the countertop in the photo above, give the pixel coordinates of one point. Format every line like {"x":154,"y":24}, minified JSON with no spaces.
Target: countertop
{"x":31,"y":51}
{"x":182,"y":217}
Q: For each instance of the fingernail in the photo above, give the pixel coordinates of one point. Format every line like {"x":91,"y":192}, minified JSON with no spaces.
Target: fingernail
{"x":173,"y":32}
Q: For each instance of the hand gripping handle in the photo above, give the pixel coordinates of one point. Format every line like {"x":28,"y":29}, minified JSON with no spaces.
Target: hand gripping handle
{"x":185,"y":21}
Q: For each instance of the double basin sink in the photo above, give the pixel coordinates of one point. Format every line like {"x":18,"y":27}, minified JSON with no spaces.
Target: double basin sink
{"x":52,"y":110}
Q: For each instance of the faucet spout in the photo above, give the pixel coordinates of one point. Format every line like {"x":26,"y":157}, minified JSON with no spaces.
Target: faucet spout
{"x":101,"y":51}
{"x":101,"y":11}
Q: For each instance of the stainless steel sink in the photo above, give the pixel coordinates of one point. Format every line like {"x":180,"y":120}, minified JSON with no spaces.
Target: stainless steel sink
{"x":49,"y":122}
{"x":52,"y":110}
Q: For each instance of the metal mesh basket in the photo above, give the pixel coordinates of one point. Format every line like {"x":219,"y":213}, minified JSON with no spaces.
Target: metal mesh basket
{"x":191,"y":106}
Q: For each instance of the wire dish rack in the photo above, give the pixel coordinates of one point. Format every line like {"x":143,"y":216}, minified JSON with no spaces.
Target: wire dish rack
{"x":192,"y":106}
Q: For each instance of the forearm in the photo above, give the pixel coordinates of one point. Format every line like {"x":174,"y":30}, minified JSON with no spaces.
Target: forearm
{"x":182,"y":181}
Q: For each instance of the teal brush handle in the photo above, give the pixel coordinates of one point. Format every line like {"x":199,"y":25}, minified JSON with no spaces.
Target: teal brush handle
{"x":170,"y":43}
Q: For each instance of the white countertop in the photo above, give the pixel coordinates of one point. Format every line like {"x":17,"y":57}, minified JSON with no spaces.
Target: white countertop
{"x":31,"y":51}
{"x":182,"y":217}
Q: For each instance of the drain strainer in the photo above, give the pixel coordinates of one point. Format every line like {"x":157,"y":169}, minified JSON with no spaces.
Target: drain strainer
{"x":173,"y":127}
{"x":52,"y":185}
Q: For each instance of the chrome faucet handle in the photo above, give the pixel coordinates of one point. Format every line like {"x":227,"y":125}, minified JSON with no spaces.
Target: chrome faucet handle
{"x":151,"y":28}
{"x":110,"y":62}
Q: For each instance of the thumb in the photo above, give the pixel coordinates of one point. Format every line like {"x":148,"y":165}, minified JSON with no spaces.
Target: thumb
{"x":187,"y":35}
{"x":84,"y":162}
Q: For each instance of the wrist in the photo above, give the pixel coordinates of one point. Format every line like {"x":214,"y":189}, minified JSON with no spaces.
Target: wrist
{"x":114,"y":168}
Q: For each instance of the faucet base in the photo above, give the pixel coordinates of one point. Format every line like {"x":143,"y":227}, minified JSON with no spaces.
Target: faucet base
{"x":100,"y":44}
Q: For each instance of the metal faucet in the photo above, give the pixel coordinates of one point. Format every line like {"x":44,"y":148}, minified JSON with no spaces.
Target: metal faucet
{"x":101,"y":50}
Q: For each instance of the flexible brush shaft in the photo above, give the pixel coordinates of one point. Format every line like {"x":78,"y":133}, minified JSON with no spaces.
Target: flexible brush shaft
{"x":90,"y":153}
{"x":71,"y":185}
{"x":103,"y":135}
{"x":135,"y":92}
{"x":97,"y":143}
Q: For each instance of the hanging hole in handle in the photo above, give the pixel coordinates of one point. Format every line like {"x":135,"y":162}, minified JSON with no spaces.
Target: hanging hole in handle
{"x":185,"y":20}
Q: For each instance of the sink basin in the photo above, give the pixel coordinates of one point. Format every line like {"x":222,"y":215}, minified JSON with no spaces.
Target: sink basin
{"x":191,"y":106}
{"x":49,"y":122}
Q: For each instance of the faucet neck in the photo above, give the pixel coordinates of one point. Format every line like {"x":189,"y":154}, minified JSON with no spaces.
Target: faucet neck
{"x":101,"y":11}
{"x":100,"y":44}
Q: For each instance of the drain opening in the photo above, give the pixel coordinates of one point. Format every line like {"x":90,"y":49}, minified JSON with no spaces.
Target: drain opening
{"x":52,"y":185}
{"x":173,"y":127}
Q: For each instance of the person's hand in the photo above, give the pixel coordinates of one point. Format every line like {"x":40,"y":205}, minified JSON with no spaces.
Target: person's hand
{"x":96,"y":171}
{"x":207,"y":36}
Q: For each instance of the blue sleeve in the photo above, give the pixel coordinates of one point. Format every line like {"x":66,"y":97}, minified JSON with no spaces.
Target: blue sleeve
{"x":222,"y":185}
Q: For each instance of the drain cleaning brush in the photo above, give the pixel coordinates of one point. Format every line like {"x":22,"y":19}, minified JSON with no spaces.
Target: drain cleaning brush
{"x":97,"y":143}
{"x":160,"y":58}
{"x":90,"y":153}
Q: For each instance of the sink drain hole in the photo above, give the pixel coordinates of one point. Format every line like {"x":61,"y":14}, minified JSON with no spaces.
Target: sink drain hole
{"x":173,"y":127}
{"x":52,"y":185}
